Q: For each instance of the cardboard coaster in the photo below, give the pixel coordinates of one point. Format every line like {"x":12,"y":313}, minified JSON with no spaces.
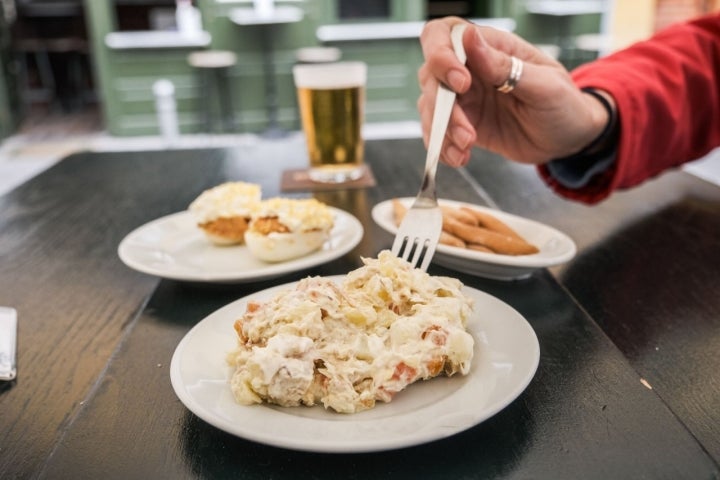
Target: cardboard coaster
{"x":296,"y":180}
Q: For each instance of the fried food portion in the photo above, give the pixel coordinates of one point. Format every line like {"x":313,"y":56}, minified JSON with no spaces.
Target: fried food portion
{"x":447,"y":238}
{"x":399,"y":211}
{"x":223,"y":212}
{"x":486,"y":220}
{"x":268,"y":225}
{"x":495,"y":241}
{"x":470,"y":228}
{"x":458,"y":214}
{"x":283,"y":228}
{"x":225,"y":230}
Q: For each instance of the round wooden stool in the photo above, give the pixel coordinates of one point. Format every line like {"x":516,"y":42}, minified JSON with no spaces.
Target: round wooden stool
{"x":213,"y":67}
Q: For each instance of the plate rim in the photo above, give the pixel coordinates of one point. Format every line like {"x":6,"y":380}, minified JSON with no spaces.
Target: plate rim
{"x":520,"y":324}
{"x":273,"y":270}
{"x":532,"y":261}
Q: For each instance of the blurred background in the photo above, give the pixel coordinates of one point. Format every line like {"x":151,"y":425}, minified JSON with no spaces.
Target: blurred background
{"x":74,"y":66}
{"x":75,"y":71}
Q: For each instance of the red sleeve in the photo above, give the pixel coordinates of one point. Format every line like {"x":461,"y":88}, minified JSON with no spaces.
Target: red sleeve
{"x":667,"y":91}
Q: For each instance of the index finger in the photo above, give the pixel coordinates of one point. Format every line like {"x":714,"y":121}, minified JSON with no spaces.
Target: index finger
{"x":440,"y":58}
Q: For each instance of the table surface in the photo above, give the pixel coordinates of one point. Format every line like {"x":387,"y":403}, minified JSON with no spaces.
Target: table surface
{"x":627,"y":385}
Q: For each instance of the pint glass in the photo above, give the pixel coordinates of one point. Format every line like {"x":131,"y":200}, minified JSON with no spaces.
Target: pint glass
{"x":331,"y":99}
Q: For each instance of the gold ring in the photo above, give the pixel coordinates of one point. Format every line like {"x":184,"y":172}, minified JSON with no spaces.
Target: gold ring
{"x":516,"y":70}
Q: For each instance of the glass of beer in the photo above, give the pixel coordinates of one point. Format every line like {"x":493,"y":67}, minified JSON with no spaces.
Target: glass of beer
{"x":331,"y":98}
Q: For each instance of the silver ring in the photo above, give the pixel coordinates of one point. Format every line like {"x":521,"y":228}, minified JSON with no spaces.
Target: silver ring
{"x":516,"y":70}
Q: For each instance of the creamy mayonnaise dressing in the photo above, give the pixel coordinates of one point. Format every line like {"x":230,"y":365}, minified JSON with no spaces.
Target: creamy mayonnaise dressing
{"x":348,"y":345}
{"x":298,"y":215}
{"x":227,"y":200}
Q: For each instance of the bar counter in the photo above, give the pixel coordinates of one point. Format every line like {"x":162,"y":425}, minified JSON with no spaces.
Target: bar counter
{"x":627,"y":384}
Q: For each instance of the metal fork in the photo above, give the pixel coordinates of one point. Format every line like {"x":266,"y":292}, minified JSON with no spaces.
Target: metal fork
{"x":419,"y":231}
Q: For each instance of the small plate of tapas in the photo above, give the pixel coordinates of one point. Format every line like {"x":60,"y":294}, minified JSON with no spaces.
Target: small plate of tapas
{"x":174,"y":247}
{"x":486,"y":242}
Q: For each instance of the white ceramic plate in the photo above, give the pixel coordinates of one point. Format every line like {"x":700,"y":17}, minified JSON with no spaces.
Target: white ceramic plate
{"x":555,"y":247}
{"x":505,"y":359}
{"x":174,"y":247}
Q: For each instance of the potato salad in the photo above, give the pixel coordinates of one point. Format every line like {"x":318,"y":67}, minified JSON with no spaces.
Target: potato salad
{"x":349,"y":344}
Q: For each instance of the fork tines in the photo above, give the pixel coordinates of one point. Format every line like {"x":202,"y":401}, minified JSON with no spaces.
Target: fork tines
{"x":419,"y":233}
{"x":404,"y":247}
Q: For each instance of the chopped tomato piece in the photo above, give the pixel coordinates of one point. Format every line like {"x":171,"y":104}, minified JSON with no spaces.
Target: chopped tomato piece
{"x":404,"y":372}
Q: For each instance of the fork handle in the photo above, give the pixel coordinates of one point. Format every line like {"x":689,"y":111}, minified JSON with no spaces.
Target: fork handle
{"x":443,"y":107}
{"x":444,"y":102}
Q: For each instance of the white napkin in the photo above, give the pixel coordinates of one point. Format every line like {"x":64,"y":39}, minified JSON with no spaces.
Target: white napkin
{"x":8,"y":342}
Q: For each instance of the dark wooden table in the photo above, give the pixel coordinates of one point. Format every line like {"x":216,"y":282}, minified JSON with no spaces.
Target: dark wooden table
{"x":628,"y":384}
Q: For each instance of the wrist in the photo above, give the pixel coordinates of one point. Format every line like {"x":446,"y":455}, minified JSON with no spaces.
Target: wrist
{"x":605,"y":122}
{"x":576,"y":170}
{"x":600,"y":127}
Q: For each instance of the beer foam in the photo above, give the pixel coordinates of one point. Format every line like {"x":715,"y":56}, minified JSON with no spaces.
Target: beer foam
{"x":330,"y":75}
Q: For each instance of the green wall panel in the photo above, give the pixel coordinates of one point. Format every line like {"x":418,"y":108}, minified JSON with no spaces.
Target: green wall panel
{"x":125,"y":77}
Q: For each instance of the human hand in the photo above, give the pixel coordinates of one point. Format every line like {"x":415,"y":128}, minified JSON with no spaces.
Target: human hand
{"x":545,"y":116}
